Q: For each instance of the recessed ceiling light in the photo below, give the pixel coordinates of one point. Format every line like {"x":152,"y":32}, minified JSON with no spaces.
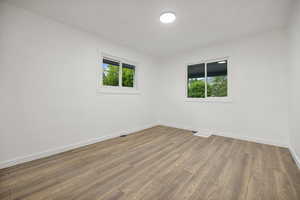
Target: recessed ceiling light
{"x":222,"y":62}
{"x":167,"y":17}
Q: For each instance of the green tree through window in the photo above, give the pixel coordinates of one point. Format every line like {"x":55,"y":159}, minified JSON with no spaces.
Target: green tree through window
{"x":217,"y":86}
{"x":196,"y":88}
{"x":110,"y":75}
{"x":128,"y":75}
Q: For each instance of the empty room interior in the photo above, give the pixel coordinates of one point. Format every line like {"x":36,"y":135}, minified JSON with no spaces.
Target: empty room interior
{"x":150,"y":100}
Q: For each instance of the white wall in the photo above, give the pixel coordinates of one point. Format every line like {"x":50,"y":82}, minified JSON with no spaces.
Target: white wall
{"x":48,"y":88}
{"x":258,"y":110}
{"x":295,"y":81}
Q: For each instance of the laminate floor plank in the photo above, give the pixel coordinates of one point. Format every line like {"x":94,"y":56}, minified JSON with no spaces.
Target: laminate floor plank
{"x":160,"y":163}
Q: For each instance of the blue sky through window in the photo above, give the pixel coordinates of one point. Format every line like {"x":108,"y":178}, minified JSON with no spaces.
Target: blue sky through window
{"x":105,"y":66}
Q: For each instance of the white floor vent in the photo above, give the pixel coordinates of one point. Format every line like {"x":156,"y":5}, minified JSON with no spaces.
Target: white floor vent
{"x":202,"y":133}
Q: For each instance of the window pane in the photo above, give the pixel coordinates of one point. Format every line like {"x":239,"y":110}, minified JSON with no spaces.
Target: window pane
{"x":196,"y":81}
{"x":217,"y":79}
{"x":128,"y":72}
{"x":110,"y":72}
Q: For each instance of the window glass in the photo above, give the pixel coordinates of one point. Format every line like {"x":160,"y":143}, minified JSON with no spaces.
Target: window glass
{"x":217,"y":79}
{"x":110,"y":72}
{"x":128,"y":72}
{"x":196,"y":81}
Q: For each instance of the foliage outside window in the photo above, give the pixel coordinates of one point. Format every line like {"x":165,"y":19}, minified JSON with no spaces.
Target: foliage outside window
{"x":128,"y":72}
{"x":208,"y":79}
{"x":117,"y":76}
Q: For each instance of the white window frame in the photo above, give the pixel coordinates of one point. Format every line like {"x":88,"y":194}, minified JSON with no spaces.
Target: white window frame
{"x":106,"y":89}
{"x":209,"y":99}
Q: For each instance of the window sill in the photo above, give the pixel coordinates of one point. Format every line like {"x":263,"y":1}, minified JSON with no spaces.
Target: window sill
{"x":119,"y":91}
{"x":210,"y":100}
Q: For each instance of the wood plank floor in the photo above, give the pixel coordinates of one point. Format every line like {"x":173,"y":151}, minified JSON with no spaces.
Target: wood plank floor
{"x":158,"y":163}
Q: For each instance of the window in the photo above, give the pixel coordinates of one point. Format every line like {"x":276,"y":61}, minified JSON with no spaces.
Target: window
{"x":207,"y":79}
{"x":117,"y":73}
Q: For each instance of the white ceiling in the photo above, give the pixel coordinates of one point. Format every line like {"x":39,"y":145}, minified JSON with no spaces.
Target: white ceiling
{"x":135,"y":23}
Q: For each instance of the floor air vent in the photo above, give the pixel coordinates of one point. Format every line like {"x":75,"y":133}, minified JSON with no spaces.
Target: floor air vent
{"x":123,"y":135}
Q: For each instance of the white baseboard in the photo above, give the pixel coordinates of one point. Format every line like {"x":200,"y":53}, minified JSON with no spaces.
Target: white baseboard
{"x":250,"y":139}
{"x":200,"y":132}
{"x":208,"y":132}
{"x":295,"y":157}
{"x":35,"y":156}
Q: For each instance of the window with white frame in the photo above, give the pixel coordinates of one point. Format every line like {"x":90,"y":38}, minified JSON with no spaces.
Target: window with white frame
{"x":118,"y":73}
{"x":207,"y":79}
